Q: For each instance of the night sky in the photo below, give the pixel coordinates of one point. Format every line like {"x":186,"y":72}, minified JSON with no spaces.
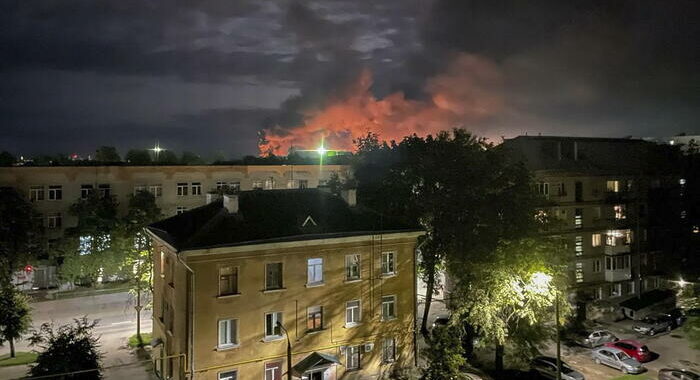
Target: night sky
{"x":207,"y":76}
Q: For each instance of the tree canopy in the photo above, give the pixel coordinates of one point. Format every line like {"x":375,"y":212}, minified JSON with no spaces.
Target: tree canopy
{"x":20,"y":234}
{"x":15,"y":318}
{"x":107,"y":154}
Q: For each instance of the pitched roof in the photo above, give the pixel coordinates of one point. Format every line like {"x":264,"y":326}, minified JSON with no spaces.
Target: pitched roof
{"x":266,"y":216}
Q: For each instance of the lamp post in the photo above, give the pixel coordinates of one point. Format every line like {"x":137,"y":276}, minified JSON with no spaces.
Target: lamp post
{"x":289,"y":351}
{"x":556,"y":316}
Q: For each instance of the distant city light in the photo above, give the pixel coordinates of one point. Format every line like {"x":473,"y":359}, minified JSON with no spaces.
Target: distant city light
{"x":321,"y":150}
{"x":157,"y":149}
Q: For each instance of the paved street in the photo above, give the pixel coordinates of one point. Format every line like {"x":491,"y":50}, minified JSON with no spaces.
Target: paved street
{"x":117,"y":323}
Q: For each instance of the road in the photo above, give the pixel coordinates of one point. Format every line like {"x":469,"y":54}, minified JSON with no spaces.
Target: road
{"x":117,"y":321}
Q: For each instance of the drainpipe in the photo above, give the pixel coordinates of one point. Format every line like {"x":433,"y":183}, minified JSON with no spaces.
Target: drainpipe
{"x":190,"y":333}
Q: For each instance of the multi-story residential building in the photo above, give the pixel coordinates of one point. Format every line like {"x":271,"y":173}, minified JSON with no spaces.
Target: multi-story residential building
{"x":236,"y":278}
{"x":596,"y":190}
{"x":53,"y":189}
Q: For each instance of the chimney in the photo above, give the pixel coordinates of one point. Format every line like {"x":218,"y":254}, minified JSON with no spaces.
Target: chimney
{"x":349,"y":196}
{"x":231,"y":203}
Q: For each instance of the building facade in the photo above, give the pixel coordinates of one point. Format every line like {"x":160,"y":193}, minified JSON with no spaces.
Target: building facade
{"x":234,"y":279}
{"x":595,"y":192}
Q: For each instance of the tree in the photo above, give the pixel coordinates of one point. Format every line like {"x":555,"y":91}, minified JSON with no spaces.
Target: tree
{"x":7,"y":159}
{"x":189,"y":158}
{"x":445,"y":356}
{"x":138,"y":157}
{"x":20,"y":236}
{"x":107,"y":154}
{"x":15,"y":318}
{"x":166,"y":157}
{"x":510,"y":297}
{"x":69,"y":348}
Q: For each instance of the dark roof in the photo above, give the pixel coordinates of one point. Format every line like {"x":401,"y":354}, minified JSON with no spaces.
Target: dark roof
{"x":314,"y":360}
{"x":267,"y":216}
{"x":647,"y":299}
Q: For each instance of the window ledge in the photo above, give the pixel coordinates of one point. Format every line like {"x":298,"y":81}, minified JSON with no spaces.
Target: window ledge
{"x":351,"y":325}
{"x":275,"y":338}
{"x":387,"y":275}
{"x":225,"y":296}
{"x":388,"y":319}
{"x":227,"y":347}
{"x":352,"y":281}
{"x":274,"y":290}
{"x":312,"y":332}
{"x":315,"y":285}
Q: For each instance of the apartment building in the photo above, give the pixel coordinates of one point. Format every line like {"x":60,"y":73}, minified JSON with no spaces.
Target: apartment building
{"x":596,"y":193}
{"x":236,"y":279}
{"x":53,"y":189}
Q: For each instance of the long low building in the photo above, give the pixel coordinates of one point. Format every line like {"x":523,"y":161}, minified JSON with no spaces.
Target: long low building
{"x":239,"y":278}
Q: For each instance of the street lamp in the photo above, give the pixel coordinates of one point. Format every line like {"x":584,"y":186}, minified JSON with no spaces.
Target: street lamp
{"x":289,"y":351}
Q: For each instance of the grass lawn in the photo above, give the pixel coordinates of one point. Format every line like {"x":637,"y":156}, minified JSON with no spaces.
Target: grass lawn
{"x":641,"y":376}
{"x":21,"y":358}
{"x":134,"y":342}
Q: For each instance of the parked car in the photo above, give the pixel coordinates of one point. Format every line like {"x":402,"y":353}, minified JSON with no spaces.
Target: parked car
{"x":633,"y":348}
{"x":654,"y":324}
{"x":677,"y":317}
{"x":677,"y":374}
{"x":597,"y":338}
{"x":616,"y":358}
{"x":441,"y":320}
{"x":547,"y":367}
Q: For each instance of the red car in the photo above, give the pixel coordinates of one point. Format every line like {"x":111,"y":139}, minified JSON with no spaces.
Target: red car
{"x":633,"y":348}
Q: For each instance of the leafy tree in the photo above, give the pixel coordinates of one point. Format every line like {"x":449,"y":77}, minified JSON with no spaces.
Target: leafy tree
{"x":138,"y":157}
{"x":189,"y":158}
{"x":68,"y":348}
{"x":692,"y":329}
{"x":107,"y":154}
{"x":445,"y":355}
{"x":166,"y":157}
{"x":7,"y":159}
{"x":20,"y":236}
{"x":15,"y":318}
{"x":510,"y":297}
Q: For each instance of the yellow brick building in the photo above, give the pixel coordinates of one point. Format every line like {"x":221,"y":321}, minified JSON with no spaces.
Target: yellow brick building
{"x":339,"y":279}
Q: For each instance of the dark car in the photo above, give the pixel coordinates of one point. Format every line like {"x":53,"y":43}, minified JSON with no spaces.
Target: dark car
{"x":654,"y":324}
{"x":546,"y":366}
{"x":677,"y":317}
{"x":633,"y":348}
{"x":677,"y":374}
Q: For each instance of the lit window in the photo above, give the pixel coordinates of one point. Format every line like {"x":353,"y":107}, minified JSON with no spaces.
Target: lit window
{"x":156,"y":190}
{"x":596,"y":240}
{"x":388,"y":263}
{"x":228,"y":333}
{"x":85,"y":191}
{"x":54,"y":220}
{"x":269,"y":183}
{"x":578,"y":247}
{"x":36,"y":193}
{"x":234,"y":186}
{"x":139,"y":188}
{"x":228,"y":375}
{"x":196,"y":188}
{"x":314,"y":320}
{"x":389,"y":350}
{"x":352,"y":357}
{"x":388,"y":308}
{"x":228,"y":280}
{"x":291,"y":184}
{"x":257,"y":185}
{"x":613,"y":186}
{"x":55,"y":192}
{"x":578,"y":218}
{"x":182,"y":189}
{"x":314,"y":271}
{"x":619,"y":212}
{"x":352,"y":313}
{"x":272,"y":325}
{"x":579,"y":272}
{"x":681,"y":181}
{"x":352,"y":267}
{"x":273,"y":371}
{"x":273,"y":276}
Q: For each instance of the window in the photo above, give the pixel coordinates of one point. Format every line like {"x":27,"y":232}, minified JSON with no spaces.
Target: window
{"x":314,"y":319}
{"x":105,"y":190}
{"x":388,"y":307}
{"x":596,"y":240}
{"x":196,"y":188}
{"x":228,"y":280}
{"x":560,"y":189}
{"x":234,"y":186}
{"x":273,"y":276}
{"x":579,"y":271}
{"x":314,"y":271}
{"x":228,"y":375}
{"x":389,"y":350}
{"x":54,"y":220}
{"x":613,"y":186}
{"x":221,"y":185}
{"x":139,"y":188}
{"x":228,"y":333}
{"x":619,"y":212}
{"x":303,"y":183}
{"x":352,"y":313}
{"x":578,"y":247}
{"x":352,"y":357}
{"x":273,"y":371}
{"x":617,"y":262}
{"x":257,"y":185}
{"x":314,"y":374}
{"x":272,"y":325}
{"x":181,"y":189}
{"x":543,"y":189}
{"x":55,"y":192}
{"x":630,"y":287}
{"x":597,"y":266}
{"x":616,"y":290}
{"x":352,"y":267}
{"x":599,"y":293}
{"x":578,"y":218}
{"x":180,"y":209}
{"x":388,"y":263}
{"x":291,"y":184}
{"x":36,"y":193}
{"x":156,"y":190}
{"x":85,"y":191}
{"x":269,"y":183}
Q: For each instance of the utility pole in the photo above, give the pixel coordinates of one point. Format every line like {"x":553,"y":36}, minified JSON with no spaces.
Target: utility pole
{"x":556,"y":316}
{"x":289,"y":351}
{"x":138,"y":302}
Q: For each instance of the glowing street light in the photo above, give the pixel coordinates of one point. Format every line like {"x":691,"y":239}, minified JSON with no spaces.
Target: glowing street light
{"x":321,"y":151}
{"x":157,"y":149}
{"x":682,"y":283}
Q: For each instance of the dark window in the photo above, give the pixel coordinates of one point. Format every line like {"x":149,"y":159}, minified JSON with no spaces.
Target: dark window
{"x":579,"y":191}
{"x":273,"y":276}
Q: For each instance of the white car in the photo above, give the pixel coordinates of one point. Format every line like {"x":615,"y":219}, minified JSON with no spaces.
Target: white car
{"x":616,"y":358}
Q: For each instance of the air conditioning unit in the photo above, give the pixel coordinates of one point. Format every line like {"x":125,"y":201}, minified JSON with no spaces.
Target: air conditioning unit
{"x":369,"y":347}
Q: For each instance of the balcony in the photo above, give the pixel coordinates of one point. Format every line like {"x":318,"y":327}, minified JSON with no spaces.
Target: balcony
{"x":618,"y":275}
{"x":616,"y":249}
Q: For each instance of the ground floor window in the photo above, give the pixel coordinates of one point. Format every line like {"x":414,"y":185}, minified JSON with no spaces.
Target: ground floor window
{"x":315,"y":374}
{"x":352,"y":357}
{"x":273,"y":371}
{"x":228,"y":375}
